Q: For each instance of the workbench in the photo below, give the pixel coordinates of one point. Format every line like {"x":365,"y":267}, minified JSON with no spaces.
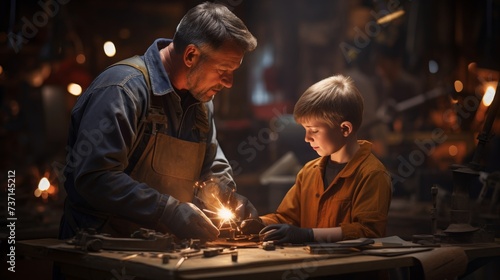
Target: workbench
{"x":294,"y":262}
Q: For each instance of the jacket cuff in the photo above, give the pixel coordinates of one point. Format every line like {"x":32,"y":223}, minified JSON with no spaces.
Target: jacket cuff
{"x":168,"y":210}
{"x":349,"y":232}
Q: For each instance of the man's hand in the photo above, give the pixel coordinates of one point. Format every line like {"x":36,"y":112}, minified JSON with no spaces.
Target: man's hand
{"x":284,"y":233}
{"x":242,"y":207}
{"x":217,"y":192}
{"x":188,"y":221}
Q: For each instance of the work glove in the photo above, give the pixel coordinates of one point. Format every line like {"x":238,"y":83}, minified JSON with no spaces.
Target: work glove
{"x":188,"y":221}
{"x":285,"y":233}
{"x":251,"y":226}
{"x":243,"y":208}
{"x":215,"y":193}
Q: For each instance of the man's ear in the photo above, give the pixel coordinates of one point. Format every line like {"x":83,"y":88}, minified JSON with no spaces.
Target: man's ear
{"x":191,"y":55}
{"x":346,"y":128}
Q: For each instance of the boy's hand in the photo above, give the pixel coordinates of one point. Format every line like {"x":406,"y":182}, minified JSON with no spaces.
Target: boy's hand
{"x":284,"y":233}
{"x":251,"y":226}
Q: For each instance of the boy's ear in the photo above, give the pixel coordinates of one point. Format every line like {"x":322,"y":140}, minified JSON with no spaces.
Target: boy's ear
{"x":346,"y":128}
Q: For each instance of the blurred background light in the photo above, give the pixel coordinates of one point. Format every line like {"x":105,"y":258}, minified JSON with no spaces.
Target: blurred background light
{"x":109,"y":49}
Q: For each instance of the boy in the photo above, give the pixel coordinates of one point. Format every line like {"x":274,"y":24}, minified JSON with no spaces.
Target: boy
{"x":346,"y":192}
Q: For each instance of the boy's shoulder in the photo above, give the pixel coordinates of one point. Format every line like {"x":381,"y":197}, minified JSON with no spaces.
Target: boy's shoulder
{"x":365,"y":160}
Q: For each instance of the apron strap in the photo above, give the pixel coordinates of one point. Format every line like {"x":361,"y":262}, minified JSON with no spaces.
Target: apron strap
{"x":154,"y":115}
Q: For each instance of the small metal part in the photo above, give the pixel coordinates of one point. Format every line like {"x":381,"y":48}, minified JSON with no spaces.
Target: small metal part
{"x":179,"y":263}
{"x":212,"y":252}
{"x":131,"y":256}
{"x":234,"y":256}
{"x":94,"y":245}
{"x":268,"y":245}
{"x":165,"y":259}
{"x":194,"y":243}
{"x":145,"y":240}
{"x":434,"y":192}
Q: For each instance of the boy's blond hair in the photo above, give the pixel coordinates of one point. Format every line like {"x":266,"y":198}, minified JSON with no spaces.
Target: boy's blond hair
{"x":333,"y":100}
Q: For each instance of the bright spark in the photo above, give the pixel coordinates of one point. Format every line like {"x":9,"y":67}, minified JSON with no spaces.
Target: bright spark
{"x":225,"y":214}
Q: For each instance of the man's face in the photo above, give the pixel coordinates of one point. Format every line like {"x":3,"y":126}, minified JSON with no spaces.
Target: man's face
{"x":214,"y":71}
{"x":324,"y":139}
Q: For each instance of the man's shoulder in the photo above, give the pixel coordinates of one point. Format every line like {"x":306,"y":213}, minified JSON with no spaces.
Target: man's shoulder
{"x":120,"y":75}
{"x":122,"y":78}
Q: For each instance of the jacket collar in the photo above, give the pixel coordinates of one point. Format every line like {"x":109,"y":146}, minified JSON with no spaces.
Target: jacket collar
{"x":160,"y":83}
{"x":363,"y":152}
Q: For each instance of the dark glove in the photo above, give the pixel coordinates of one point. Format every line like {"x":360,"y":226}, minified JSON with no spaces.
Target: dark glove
{"x":251,"y":226}
{"x":216,"y":192}
{"x":284,"y":233}
{"x":242,"y":207}
{"x":188,"y":221}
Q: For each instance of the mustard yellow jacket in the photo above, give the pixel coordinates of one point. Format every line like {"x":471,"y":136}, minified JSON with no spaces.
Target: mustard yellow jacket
{"x":357,"y":200}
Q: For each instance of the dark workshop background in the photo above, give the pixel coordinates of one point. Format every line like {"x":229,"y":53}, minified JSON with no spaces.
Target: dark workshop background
{"x":424,"y":71}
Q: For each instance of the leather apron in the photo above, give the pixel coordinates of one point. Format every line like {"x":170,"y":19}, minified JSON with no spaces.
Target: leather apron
{"x":170,"y":165}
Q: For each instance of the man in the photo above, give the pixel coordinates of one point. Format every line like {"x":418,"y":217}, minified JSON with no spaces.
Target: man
{"x":142,"y":137}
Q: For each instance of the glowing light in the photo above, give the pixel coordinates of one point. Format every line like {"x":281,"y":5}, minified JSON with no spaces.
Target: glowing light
{"x":80,"y":58}
{"x":225,"y":214}
{"x":453,"y":150}
{"x":488,"y":96}
{"x":74,"y":89}
{"x":472,"y":67}
{"x":459,"y":86}
{"x":44,"y":184}
{"x":433,"y":66}
{"x":218,"y":202}
{"x":109,"y":49}
{"x":45,"y":189}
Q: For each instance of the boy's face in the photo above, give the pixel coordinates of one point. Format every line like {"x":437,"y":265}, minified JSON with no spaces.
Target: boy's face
{"x":324,"y":139}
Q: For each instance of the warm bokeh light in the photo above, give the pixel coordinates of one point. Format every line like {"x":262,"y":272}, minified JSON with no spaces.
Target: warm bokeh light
{"x":44,"y":184}
{"x":74,"y":89}
{"x":459,"y":86}
{"x":472,"y":67}
{"x":80,"y":58}
{"x":488,"y":96}
{"x":45,"y":189}
{"x":453,"y":150}
{"x":39,"y":75}
{"x":109,"y":49}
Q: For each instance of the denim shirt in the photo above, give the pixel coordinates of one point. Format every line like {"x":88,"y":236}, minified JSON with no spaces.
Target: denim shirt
{"x":104,"y":126}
